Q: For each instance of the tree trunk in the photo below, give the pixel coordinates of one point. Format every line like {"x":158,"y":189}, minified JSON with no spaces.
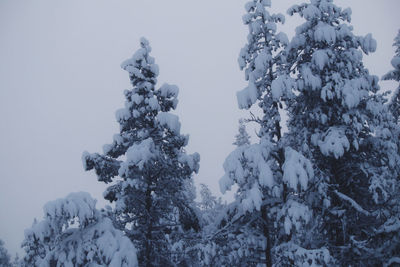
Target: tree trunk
{"x":267,"y":252}
{"x":149,"y":229}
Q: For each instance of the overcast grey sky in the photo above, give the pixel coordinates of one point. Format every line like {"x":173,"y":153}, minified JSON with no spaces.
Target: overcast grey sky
{"x":60,"y":85}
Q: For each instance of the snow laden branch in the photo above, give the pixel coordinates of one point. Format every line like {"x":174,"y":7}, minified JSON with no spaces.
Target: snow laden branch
{"x":74,"y":233}
{"x":353,"y":203}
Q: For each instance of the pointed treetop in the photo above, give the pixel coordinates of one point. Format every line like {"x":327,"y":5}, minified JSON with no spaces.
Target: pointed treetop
{"x":141,"y":66}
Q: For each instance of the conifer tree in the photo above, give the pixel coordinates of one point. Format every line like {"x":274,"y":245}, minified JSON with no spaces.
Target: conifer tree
{"x":148,"y":167}
{"x":394,"y":75}
{"x":338,"y":121}
{"x":268,"y":222}
{"x":242,"y":138}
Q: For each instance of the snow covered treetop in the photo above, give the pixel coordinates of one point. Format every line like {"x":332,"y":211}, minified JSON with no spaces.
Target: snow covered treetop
{"x":321,"y":10}
{"x":256,"y":58}
{"x":141,"y":66}
{"x":327,"y":16}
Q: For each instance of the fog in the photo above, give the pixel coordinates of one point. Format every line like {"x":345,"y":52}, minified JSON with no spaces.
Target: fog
{"x":60,"y":85}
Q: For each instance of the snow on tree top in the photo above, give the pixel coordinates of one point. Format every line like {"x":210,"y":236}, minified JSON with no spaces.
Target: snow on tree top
{"x":141,"y":66}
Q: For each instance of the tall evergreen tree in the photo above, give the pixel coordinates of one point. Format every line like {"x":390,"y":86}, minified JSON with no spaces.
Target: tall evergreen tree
{"x":148,"y":167}
{"x":338,"y":120}
{"x":395,"y":76}
{"x":268,"y":223}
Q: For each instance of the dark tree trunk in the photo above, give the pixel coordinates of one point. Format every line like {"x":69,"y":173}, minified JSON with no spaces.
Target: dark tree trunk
{"x":267,"y":252}
{"x":149,"y":229}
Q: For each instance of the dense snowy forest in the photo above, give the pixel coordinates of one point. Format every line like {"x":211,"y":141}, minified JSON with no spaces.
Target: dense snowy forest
{"x":320,"y":185}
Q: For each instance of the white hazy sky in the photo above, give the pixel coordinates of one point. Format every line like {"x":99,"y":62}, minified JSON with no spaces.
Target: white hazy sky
{"x":60,"y":85}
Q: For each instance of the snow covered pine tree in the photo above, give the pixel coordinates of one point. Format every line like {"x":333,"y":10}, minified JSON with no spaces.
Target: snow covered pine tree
{"x":269,"y":220}
{"x":338,"y":120}
{"x":149,"y":168}
{"x":75,"y":233}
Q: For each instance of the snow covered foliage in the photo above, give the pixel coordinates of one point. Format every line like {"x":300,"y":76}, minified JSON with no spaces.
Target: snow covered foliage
{"x":261,"y":61}
{"x":4,"y":256}
{"x":74,"y":233}
{"x":338,"y":120}
{"x":148,"y":167}
{"x":395,"y":76}
{"x":297,"y":170}
{"x":242,"y":138}
{"x":269,"y":213}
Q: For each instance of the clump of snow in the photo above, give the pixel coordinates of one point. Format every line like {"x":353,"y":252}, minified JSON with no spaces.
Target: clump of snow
{"x":295,"y":215}
{"x":282,"y":86}
{"x":248,"y":96}
{"x":153,"y":103}
{"x":85,"y":157}
{"x":320,"y":58}
{"x":396,"y":63}
{"x":353,"y":91}
{"x":254,"y":155}
{"x":253,"y":199}
{"x":80,"y":205}
{"x":325,"y":33}
{"x":282,"y":38}
{"x":310,"y":80}
{"x":266,"y":3}
{"x":334,"y":143}
{"x":368,"y":44}
{"x":169,"y":90}
{"x":137,"y":98}
{"x":311,"y":12}
{"x":225,"y":183}
{"x":122,"y":114}
{"x":297,"y":170}
{"x":191,"y":160}
{"x":248,"y":165}
{"x":261,"y":63}
{"x":343,"y":31}
{"x":138,"y":155}
{"x":249,"y":6}
{"x":170,"y":121}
